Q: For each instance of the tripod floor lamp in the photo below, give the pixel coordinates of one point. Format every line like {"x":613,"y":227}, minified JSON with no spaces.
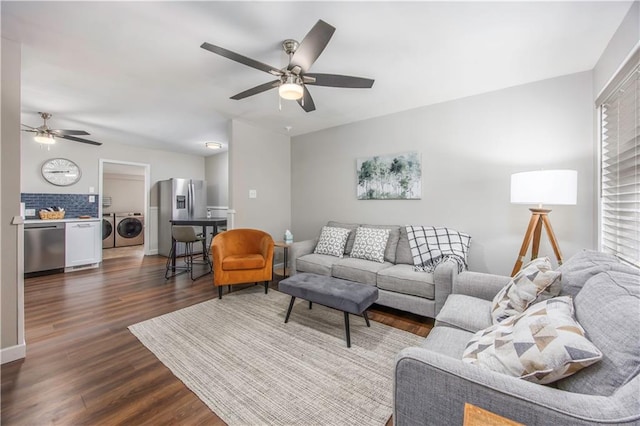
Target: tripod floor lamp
{"x":550,"y":187}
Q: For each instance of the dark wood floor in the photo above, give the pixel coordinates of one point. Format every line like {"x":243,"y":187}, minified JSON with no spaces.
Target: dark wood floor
{"x":83,"y":366}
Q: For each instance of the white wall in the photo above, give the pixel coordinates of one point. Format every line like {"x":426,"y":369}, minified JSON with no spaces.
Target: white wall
{"x":126,"y":192}
{"x":11,"y":260}
{"x":164,"y":164}
{"x":469,"y":149}
{"x":216,"y":168}
{"x":260,"y":159}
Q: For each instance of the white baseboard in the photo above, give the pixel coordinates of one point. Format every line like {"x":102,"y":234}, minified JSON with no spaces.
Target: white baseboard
{"x":153,"y":252}
{"x":13,"y":353}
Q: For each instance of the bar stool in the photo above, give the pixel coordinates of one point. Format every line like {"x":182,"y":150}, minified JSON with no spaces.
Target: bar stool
{"x":187,"y":236}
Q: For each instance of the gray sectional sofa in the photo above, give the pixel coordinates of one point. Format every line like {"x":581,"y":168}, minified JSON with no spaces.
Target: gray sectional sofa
{"x":432,"y":383}
{"x":399,"y":285}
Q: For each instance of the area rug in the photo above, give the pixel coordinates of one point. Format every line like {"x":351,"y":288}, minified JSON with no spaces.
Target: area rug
{"x":237,"y":355}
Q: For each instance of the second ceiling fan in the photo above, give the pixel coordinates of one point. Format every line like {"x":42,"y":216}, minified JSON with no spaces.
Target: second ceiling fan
{"x":292,"y":80}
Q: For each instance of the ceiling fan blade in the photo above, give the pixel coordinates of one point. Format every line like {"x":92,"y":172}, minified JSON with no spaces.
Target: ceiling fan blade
{"x":312,"y":46}
{"x":72,"y":138}
{"x":255,"y":90}
{"x":335,"y":80}
{"x":29,"y":130}
{"x":33,"y":128}
{"x":61,"y":132}
{"x":306,"y":102}
{"x":241,"y":59}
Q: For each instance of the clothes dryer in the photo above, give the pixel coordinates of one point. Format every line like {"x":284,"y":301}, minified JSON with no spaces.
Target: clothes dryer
{"x":129,"y":229}
{"x":108,"y":231}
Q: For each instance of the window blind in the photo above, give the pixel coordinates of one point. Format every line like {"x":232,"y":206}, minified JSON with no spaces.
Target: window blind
{"x":620,"y":170}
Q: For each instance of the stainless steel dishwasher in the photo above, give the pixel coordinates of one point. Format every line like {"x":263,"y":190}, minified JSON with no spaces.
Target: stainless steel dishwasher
{"x":43,"y":247}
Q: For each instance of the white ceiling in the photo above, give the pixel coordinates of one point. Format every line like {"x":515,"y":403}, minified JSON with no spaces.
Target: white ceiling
{"x":134,"y":72}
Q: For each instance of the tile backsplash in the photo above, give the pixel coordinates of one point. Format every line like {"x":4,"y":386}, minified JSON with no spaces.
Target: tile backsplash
{"x":74,"y":204}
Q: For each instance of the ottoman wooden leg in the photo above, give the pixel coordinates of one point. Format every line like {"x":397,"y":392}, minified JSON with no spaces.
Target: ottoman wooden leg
{"x":220,"y":292}
{"x":310,"y":304}
{"x":286,"y":319}
{"x":366,"y":318}
{"x":346,"y":328}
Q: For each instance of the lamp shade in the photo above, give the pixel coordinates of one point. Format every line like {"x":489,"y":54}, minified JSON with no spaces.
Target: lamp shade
{"x":545,"y":187}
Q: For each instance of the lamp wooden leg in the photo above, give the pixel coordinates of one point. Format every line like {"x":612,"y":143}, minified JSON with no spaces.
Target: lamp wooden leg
{"x":528,"y":236}
{"x":552,"y":238}
{"x":537,"y":232}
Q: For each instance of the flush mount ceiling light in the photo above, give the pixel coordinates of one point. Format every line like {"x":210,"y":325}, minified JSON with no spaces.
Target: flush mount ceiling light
{"x":44,"y":138}
{"x":213,"y":145}
{"x":291,"y":88}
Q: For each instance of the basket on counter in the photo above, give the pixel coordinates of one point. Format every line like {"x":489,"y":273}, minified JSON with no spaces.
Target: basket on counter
{"x":44,"y":214}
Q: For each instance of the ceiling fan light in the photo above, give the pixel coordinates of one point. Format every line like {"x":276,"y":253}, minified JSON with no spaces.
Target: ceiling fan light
{"x":44,"y":138}
{"x":213,"y":145}
{"x":291,"y":91}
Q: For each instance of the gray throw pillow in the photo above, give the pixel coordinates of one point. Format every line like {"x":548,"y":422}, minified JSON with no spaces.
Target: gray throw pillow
{"x":332,"y":241}
{"x":370,"y":244}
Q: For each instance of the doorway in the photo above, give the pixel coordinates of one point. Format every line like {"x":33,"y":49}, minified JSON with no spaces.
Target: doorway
{"x":124,"y":188}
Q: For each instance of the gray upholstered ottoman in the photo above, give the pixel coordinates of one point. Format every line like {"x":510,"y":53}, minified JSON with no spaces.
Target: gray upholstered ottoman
{"x":347,"y":296}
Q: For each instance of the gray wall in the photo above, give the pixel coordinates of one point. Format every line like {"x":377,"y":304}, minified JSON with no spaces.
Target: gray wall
{"x":164,"y":164}
{"x":625,"y":38}
{"x":126,"y":192}
{"x":216,"y":168}
{"x":260,"y":159}
{"x":10,"y":270}
{"x":469,"y":149}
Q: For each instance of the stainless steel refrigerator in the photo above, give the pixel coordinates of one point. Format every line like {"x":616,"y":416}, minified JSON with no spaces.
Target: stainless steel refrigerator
{"x":179,"y":199}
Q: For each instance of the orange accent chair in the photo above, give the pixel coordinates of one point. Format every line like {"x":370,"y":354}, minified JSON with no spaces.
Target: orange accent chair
{"x":242,"y":256}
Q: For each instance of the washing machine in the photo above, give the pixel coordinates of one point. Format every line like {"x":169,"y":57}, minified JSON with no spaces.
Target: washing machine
{"x":129,"y":229}
{"x":108,"y":231}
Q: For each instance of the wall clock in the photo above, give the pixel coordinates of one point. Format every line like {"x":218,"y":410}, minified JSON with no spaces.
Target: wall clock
{"x":61,"y":172}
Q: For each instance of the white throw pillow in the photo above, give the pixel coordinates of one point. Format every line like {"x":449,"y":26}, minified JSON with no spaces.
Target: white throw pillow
{"x":370,"y":244}
{"x":524,"y":288}
{"x":332,"y":241}
{"x":542,"y":345}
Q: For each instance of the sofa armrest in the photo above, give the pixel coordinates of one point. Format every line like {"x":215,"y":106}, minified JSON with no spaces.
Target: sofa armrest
{"x":300,"y":248}
{"x":444,"y":276}
{"x":478,"y":284}
{"x":431,"y":388}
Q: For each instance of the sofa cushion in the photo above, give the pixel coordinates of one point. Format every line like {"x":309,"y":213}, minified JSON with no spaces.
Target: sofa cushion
{"x":404,"y":279}
{"x":585,"y":264}
{"x":392,"y":242}
{"x":320,"y":264}
{"x":370,"y":244}
{"x":352,"y":235}
{"x":358,"y":270}
{"x":447,"y":341}
{"x":332,"y":241}
{"x":465,"y":312}
{"x":608,"y":307}
{"x":541,"y":345}
{"x":403,"y":251}
{"x":523,"y":289}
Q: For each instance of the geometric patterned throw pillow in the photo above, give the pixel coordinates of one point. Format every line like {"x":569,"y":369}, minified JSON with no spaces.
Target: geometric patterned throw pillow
{"x":542,"y":345}
{"x":332,"y":241}
{"x":370,"y":244}
{"x":524,"y":288}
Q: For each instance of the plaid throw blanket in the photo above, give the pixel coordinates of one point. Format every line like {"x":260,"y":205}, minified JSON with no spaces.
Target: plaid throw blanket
{"x":431,"y":246}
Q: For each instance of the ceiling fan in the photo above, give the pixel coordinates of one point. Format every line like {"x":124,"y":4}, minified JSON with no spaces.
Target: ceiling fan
{"x":45,"y":135}
{"x":292,"y":80}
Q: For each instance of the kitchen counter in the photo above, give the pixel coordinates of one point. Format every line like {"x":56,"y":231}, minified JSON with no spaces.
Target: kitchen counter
{"x":65,"y":220}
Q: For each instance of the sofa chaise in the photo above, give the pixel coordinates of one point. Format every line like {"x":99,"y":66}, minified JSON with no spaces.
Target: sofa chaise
{"x":399,"y":285}
{"x":432,"y":383}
